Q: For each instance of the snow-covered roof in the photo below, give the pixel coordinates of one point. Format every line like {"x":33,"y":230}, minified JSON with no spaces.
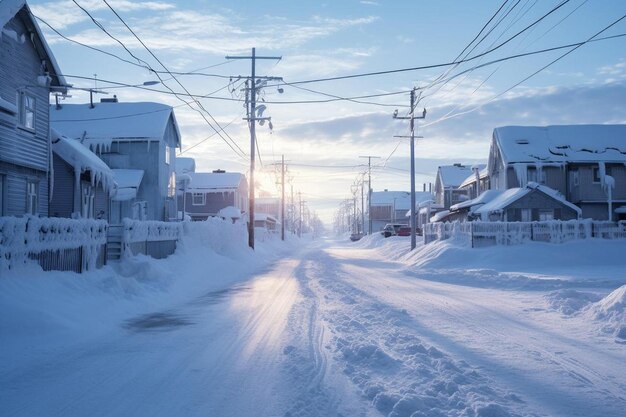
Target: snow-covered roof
{"x":8,"y":10}
{"x":485,"y":197}
{"x":185,"y":165}
{"x":402,"y":199}
{"x":265,"y":217}
{"x":439,"y":216}
{"x":454,"y":175}
{"x":511,"y":195}
{"x":106,"y":122}
{"x":471,"y":179}
{"x":127,"y":183}
{"x":569,"y":143}
{"x":214,"y":181}
{"x":82,"y":159}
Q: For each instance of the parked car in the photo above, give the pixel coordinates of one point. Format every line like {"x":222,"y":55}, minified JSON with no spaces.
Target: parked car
{"x":404,"y":231}
{"x":356,"y":236}
{"x":391,"y":229}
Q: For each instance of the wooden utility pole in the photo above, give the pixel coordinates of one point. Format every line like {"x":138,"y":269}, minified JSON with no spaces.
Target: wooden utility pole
{"x":369,"y":192}
{"x":412,"y":118}
{"x":252,"y":119}
{"x":282,"y":199}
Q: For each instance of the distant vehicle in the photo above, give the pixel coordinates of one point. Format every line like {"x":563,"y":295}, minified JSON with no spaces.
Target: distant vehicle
{"x":356,"y":236}
{"x":391,"y":229}
{"x":404,"y":231}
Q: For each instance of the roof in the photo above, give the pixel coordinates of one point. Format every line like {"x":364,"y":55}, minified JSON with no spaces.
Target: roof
{"x":127,"y":182}
{"x":82,"y":159}
{"x":511,"y":195}
{"x":453,"y":175}
{"x":471,"y":179}
{"x":185,"y":165}
{"x":8,"y":10}
{"x":106,"y":122}
{"x":439,"y":216}
{"x":212,"y":181}
{"x":568,"y":143}
{"x":400,"y":199}
{"x":485,"y":197}
{"x":264,"y":217}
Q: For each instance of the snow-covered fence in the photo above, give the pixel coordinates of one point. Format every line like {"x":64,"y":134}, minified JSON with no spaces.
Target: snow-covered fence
{"x":154,"y":238}
{"x":479,"y":234}
{"x":55,"y":243}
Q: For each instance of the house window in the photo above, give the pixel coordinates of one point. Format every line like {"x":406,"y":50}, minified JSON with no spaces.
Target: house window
{"x":546,"y":214}
{"x":198,"y":199}
{"x":596,"y":174}
{"x":168,"y":155}
{"x":27,"y":110}
{"x":171,"y":186}
{"x":32,"y":197}
{"x":526,"y":215}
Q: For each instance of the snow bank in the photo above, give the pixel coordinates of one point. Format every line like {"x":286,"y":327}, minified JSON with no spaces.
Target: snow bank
{"x":611,"y":313}
{"x":150,"y":230}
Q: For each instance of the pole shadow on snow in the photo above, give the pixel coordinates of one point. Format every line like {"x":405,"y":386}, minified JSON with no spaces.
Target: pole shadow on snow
{"x":162,"y":321}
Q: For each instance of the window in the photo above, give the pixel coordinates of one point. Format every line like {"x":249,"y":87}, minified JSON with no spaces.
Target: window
{"x":198,"y":199}
{"x":546,"y":214}
{"x":168,"y":155}
{"x":27,"y":110}
{"x":535,"y":175}
{"x":596,"y":174}
{"x":32,"y":197}
{"x":171,"y":186}
{"x":526,"y":215}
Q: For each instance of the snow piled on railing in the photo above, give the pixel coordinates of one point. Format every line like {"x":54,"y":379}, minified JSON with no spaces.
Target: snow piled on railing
{"x":29,"y":235}
{"x":150,"y":230}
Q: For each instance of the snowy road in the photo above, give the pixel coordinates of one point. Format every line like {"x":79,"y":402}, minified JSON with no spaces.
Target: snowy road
{"x":330,"y":330}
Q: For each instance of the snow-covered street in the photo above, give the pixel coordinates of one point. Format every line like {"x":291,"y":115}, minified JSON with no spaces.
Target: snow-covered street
{"x":338,"y":328}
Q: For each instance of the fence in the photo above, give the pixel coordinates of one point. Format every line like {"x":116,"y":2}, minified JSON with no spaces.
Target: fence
{"x":152,"y":238}
{"x":55,"y":243}
{"x":480,"y":234}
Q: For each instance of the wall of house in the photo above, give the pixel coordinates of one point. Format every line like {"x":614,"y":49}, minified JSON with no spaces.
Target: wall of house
{"x":23,"y":153}
{"x":536,"y":200}
{"x":555,"y":177}
{"x":62,"y":204}
{"x":583,"y":189}
{"x":215,"y":201}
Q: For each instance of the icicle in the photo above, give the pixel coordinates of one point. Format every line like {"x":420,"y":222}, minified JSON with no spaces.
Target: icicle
{"x":521,"y":171}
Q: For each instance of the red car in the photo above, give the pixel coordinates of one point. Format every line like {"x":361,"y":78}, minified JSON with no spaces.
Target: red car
{"x":404,"y":231}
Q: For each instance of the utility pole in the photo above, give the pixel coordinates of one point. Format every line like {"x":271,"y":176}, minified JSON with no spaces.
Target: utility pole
{"x":369,"y":186}
{"x":362,"y":205}
{"x":252,"y":119}
{"x":300,"y":214}
{"x":412,"y":118}
{"x":282,"y":199}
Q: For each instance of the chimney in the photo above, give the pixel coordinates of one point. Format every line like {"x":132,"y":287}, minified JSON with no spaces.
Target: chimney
{"x":109,"y":100}
{"x":218,"y":171}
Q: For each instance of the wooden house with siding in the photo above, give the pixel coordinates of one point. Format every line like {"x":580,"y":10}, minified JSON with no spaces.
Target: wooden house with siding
{"x":585,"y":163}
{"x":28,"y":73}
{"x":209,"y":193}
{"x":138,"y":142}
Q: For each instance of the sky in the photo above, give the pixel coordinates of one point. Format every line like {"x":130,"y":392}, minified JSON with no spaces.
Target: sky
{"x":323,"y":141}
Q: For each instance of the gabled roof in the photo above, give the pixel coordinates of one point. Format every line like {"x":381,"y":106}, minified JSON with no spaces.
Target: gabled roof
{"x":568,"y":143}
{"x":106,"y":122}
{"x":484,"y":198}
{"x":508,"y":197}
{"x":453,"y":175}
{"x":471,"y":179}
{"x":215,"y":182}
{"x":401,"y":199}
{"x":8,"y":10}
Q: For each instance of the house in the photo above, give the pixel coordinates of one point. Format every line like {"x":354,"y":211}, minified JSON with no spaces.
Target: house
{"x":476,"y":182}
{"x":137,"y":141}
{"x":266,"y":222}
{"x":268,"y":205}
{"x":184,"y":167}
{"x":28,"y":73}
{"x":393,"y":207}
{"x":466,"y":210}
{"x":81,"y":182}
{"x":447,"y":182}
{"x":585,"y":163}
{"x":210,"y":192}
{"x":533,"y":202}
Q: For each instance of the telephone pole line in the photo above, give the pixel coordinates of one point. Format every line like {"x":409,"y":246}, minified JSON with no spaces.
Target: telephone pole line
{"x":252,"y":119}
{"x":412,"y":119}
{"x":369,"y":186}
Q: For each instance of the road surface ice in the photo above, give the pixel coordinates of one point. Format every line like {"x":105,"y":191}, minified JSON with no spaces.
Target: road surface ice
{"x":328,"y":329}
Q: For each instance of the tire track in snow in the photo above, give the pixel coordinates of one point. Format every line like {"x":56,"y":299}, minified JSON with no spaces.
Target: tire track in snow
{"x":395,"y":370}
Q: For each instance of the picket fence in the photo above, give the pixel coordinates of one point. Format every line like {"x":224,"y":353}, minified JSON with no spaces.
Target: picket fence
{"x":481,"y":234}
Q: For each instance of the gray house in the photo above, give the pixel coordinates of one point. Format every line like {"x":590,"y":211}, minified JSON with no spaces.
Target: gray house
{"x":447,"y":182}
{"x":137,"y":141}
{"x":28,"y":72}
{"x":585,"y":163}
{"x":210,"y":192}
